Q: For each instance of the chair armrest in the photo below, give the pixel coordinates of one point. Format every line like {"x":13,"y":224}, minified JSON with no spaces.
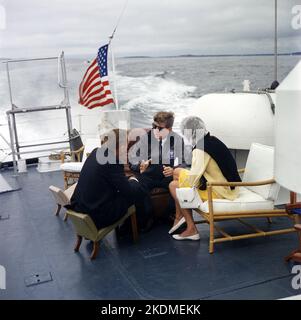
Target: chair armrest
{"x":241,"y":184}
{"x":75,"y":153}
{"x":78,"y":150}
{"x":62,"y":156}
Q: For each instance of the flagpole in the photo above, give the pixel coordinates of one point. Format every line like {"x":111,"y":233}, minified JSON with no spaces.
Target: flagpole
{"x":112,"y":53}
{"x":275,"y":43}
{"x":113,"y":70}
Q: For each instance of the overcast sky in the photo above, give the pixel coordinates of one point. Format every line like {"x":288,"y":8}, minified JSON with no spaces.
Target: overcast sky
{"x":148,"y":27}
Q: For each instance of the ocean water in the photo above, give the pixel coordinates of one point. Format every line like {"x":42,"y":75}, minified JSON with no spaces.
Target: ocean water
{"x":143,"y":86}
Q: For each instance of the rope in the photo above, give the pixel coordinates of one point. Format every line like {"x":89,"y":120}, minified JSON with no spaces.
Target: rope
{"x":118,"y":21}
{"x":112,"y":55}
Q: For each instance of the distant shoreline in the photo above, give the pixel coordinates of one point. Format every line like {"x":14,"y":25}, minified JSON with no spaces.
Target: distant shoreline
{"x":213,"y":55}
{"x":190,"y":56}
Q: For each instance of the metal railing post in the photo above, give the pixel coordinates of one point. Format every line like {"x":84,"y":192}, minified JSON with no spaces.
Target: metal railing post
{"x":9,"y":86}
{"x":66,"y":94}
{"x":12,"y":143}
{"x":16,"y":135}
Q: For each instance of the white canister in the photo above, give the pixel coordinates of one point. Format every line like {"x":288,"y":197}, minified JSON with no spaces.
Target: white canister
{"x":114,"y":119}
{"x":22,"y":165}
{"x":246,"y":85}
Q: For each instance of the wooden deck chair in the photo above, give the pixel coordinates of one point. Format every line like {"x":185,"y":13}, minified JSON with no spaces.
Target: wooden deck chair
{"x":296,"y":255}
{"x":257,"y":194}
{"x":85,"y":227}
{"x":62,"y":197}
{"x":71,"y":170}
{"x":295,"y":208}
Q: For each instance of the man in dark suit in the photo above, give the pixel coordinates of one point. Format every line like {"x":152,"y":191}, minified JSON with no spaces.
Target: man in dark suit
{"x":154,"y":158}
{"x":103,"y":191}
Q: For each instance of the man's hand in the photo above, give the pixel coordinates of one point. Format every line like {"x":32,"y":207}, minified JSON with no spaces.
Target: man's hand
{"x":144,"y":165}
{"x":167,"y":171}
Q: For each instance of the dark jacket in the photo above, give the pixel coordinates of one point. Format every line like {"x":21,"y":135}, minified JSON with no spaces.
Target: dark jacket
{"x":102,"y":191}
{"x":222,"y":156}
{"x":174,"y":148}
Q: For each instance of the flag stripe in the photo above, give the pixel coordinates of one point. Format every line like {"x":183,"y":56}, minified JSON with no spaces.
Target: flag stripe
{"x":101,"y":104}
{"x":95,"y":92}
{"x":90,"y":77}
{"x":90,"y":80}
{"x":91,"y":66}
{"x":96,"y":85}
{"x":99,"y":97}
{"x":96,"y":82}
{"x":88,"y":72}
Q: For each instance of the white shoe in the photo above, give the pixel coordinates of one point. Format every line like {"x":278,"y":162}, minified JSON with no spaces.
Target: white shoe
{"x":193,"y":237}
{"x":177,"y":226}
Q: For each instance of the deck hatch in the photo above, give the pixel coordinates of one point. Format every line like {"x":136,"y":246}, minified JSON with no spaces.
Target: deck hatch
{"x":4,"y":216}
{"x":38,"y":278}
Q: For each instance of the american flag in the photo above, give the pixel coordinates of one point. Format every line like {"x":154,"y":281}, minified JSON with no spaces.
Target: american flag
{"x":94,"y":90}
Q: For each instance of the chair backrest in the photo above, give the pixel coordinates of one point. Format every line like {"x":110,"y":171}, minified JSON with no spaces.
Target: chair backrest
{"x":260,"y":166}
{"x":62,"y":197}
{"x":59,"y":196}
{"x":69,"y":192}
{"x":83,"y":225}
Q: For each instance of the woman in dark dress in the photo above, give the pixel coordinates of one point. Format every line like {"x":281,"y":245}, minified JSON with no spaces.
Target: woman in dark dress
{"x":103,"y":191}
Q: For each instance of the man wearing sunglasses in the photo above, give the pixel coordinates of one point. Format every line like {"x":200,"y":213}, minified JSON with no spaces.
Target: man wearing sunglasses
{"x":164,"y":150}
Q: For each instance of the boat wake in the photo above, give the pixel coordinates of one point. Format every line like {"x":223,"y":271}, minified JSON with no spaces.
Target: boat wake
{"x":144,"y":96}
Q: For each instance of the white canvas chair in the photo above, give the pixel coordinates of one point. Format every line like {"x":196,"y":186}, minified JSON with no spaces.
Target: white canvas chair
{"x":257,"y":194}
{"x":71,"y":170}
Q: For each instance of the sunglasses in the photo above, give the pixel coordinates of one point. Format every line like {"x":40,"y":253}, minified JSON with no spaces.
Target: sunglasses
{"x":158,"y":127}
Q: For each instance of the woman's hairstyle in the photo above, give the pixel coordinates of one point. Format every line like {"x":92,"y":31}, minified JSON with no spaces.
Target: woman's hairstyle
{"x":193,"y":128}
{"x":165,"y":117}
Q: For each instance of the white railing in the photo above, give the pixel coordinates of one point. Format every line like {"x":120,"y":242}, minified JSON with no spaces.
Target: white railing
{"x":81,"y":123}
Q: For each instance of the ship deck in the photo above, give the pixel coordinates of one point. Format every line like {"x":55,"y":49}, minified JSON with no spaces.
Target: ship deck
{"x":34,"y":241}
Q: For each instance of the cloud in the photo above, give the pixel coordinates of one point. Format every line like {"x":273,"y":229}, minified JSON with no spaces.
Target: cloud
{"x":151,"y":27}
